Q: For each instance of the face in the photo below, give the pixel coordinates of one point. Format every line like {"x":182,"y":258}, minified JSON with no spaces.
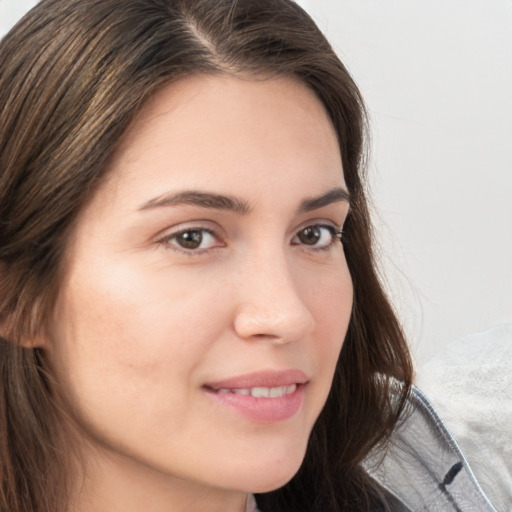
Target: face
{"x":207,"y":295}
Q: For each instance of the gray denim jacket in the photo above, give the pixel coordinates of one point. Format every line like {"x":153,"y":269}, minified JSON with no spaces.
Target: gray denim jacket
{"x":424,"y":468}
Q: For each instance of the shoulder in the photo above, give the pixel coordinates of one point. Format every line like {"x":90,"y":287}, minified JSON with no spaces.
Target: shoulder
{"x":423,"y":466}
{"x":470,"y":385}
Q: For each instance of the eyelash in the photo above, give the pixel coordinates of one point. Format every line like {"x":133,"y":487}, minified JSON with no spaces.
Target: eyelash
{"x":336,"y":234}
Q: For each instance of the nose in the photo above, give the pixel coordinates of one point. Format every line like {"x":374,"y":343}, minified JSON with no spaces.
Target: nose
{"x":270,"y":304}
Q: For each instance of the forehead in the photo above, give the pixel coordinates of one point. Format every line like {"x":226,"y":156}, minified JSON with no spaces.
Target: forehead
{"x":222,"y":131}
{"x":199,"y":104}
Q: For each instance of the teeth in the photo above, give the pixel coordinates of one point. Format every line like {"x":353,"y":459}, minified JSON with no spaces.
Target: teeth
{"x":241,"y":391}
{"x":261,"y":392}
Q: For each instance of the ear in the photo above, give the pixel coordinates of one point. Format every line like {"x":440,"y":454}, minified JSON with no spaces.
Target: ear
{"x":36,"y":342}
{"x":10,"y":319}
{"x":10,"y":334}
{"x":32,"y":332}
{"x":3,"y":316}
{"x":3,"y":327}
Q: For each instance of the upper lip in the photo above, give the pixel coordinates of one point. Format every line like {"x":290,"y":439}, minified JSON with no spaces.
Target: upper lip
{"x":264,"y":379}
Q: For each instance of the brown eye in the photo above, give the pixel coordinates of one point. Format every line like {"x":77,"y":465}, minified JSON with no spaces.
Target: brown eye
{"x":189,"y":239}
{"x":310,"y":235}
{"x":318,"y":236}
{"x":193,"y":239}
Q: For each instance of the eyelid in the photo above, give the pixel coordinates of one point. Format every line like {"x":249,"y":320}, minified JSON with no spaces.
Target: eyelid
{"x":187,"y":225}
{"x":164,"y":237}
{"x":319,"y":222}
{"x":336,"y":232}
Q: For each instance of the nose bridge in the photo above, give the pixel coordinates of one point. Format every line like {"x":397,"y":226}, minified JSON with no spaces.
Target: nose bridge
{"x":270,"y":302}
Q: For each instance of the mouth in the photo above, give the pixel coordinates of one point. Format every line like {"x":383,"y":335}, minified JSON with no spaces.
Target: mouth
{"x":262,"y":397}
{"x":260,"y":392}
{"x":264,"y":382}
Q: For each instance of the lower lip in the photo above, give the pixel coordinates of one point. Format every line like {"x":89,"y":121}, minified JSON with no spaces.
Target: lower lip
{"x":263,"y":410}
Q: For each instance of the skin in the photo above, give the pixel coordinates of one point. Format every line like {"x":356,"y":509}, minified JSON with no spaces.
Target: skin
{"x":142,"y":323}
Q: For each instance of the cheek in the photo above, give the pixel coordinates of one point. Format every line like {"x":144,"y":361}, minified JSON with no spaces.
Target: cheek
{"x":129,"y":307}
{"x":131,"y":333}
{"x":336,"y":308}
{"x":330,"y":301}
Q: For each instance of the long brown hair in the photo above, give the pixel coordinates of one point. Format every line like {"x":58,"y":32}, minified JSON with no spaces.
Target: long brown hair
{"x":73,"y":74}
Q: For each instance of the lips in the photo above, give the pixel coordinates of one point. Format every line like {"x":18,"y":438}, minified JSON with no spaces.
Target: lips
{"x":261,"y":397}
{"x":261,"y":392}
{"x":263,"y":379}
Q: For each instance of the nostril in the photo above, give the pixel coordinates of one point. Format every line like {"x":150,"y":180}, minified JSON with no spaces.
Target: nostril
{"x":291,"y":324}
{"x":270,"y":304}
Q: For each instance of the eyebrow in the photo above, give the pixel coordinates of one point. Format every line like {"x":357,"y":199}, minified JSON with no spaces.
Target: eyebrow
{"x":335,"y":195}
{"x":230,"y":203}
{"x":203,"y":199}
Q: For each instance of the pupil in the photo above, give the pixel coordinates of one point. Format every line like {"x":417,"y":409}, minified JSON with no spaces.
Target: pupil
{"x":310,"y":236}
{"x":190,"y":239}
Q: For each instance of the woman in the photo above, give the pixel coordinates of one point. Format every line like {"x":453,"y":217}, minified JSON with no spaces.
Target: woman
{"x":181,"y":327}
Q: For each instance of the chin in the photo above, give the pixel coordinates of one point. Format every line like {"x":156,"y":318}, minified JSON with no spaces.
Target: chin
{"x":271,"y":475}
{"x":271,"y":484}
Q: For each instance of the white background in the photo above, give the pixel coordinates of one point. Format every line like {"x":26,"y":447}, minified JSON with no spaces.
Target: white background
{"x":437,"y":78}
